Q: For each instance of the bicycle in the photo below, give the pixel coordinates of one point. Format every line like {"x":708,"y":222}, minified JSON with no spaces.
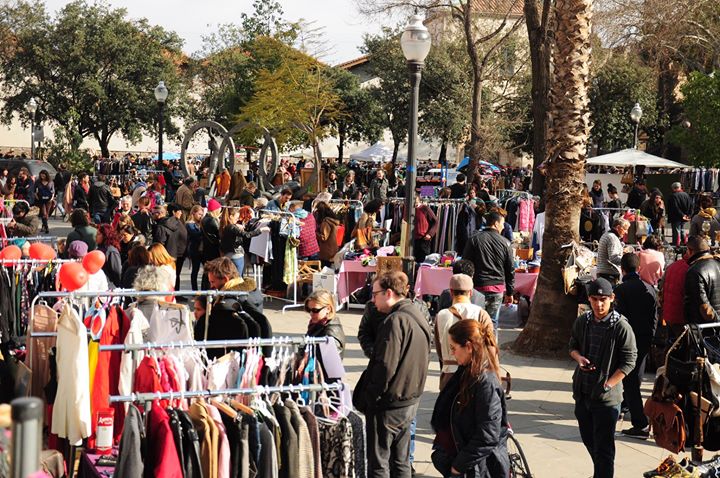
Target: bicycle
{"x":519,"y":467}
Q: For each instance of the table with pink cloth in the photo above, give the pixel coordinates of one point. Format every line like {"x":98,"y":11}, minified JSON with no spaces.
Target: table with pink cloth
{"x":432,"y":280}
{"x":351,"y":277}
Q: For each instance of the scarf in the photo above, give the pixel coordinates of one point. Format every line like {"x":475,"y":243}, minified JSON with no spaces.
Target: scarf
{"x":707,"y":213}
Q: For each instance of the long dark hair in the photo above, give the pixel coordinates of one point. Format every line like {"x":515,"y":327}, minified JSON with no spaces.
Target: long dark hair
{"x":484,"y":356}
{"x":322,"y":211}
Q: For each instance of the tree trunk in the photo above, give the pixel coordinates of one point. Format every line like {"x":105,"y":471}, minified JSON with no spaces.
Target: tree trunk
{"x":442,"y":157}
{"x":477,"y":84}
{"x":341,"y":143}
{"x":553,"y":312}
{"x":540,"y":61}
{"x":396,"y":147}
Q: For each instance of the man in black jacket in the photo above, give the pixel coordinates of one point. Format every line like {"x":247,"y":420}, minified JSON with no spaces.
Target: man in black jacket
{"x":389,"y":390}
{"x":702,"y":283}
{"x":492,"y":256}
{"x":679,"y":211}
{"x":101,"y":201}
{"x":637,"y":301}
{"x":171,"y":233}
{"x":458,"y":190}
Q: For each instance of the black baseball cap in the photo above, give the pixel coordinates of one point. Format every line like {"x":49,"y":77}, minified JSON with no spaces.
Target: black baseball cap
{"x":601,"y":287}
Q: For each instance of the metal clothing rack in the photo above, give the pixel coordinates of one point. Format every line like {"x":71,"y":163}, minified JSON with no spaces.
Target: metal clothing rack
{"x":52,"y":239}
{"x":10,"y":262}
{"x":697,"y":451}
{"x":347,"y":201}
{"x":259,"y":390}
{"x":296,"y":266}
{"x":217,"y":344}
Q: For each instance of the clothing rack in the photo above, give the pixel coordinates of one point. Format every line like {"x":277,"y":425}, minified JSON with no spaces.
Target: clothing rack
{"x":697,"y":451}
{"x":37,"y":261}
{"x":218,"y":344}
{"x":347,"y":201}
{"x":296,"y":266}
{"x":31,"y":238}
{"x":513,"y":192}
{"x":259,"y":390}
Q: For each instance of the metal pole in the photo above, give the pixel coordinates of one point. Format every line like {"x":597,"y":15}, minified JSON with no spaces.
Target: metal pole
{"x":637,"y":125}
{"x":27,"y":417}
{"x":415,"y":68}
{"x":161,"y":108}
{"x":32,"y":136}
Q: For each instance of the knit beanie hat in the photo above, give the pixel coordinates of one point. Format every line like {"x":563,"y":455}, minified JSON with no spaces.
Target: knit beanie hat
{"x":213,"y":205}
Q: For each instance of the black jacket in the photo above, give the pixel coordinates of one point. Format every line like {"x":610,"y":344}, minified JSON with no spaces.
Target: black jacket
{"x":246,"y":198}
{"x":101,"y":199}
{"x":679,"y":204}
{"x":492,"y":256}
{"x":113,"y":265}
{"x":233,"y":238}
{"x":637,"y":301}
{"x":635,"y":198}
{"x":479,"y":430}
{"x":144,"y":223}
{"x":369,"y":325}
{"x":210,"y":238}
{"x":171,"y":233}
{"x":80,"y":198}
{"x":702,"y":289}
{"x":331,"y":329}
{"x":395,"y":376}
{"x":458,"y":191}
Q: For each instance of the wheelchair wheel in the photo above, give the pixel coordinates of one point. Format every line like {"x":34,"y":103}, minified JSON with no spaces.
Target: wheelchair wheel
{"x":519,"y":467}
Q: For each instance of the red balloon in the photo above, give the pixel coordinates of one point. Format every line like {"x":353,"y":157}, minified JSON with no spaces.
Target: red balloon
{"x":11,"y":253}
{"x":93,"y":261}
{"x":42,"y":251}
{"x":72,"y":276}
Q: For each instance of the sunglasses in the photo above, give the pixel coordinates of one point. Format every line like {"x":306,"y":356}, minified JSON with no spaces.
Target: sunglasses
{"x":376,"y":292}
{"x":314,"y":310}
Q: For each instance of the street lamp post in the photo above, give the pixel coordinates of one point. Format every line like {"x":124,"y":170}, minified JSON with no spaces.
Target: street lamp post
{"x":635,"y":115}
{"x":32,"y":108}
{"x":415,"y":44}
{"x":161,"y":94}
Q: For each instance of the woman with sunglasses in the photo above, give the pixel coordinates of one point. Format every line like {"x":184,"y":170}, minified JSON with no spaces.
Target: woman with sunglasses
{"x":323,"y":321}
{"x":470,"y":415}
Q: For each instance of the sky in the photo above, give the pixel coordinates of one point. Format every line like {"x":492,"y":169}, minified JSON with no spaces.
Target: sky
{"x":344,"y":27}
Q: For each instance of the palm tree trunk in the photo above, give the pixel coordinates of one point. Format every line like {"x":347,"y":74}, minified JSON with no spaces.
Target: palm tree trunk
{"x":553,"y":312}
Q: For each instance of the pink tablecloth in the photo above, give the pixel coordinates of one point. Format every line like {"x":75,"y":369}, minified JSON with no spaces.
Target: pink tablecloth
{"x":525,"y":283}
{"x":351,"y":277}
{"x":432,"y":280}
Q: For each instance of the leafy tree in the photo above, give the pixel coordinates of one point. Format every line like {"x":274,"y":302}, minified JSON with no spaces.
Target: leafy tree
{"x":617,"y":85}
{"x":296,"y":101}
{"x":363,"y":114}
{"x":444,"y":96}
{"x":700,"y":133}
{"x":92,"y":61}
{"x":392,"y":93}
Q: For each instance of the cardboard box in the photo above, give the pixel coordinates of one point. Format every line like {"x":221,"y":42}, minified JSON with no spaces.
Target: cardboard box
{"x":325,"y":281}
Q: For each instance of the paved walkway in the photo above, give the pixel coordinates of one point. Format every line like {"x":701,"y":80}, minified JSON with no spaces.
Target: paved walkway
{"x":541,"y":408}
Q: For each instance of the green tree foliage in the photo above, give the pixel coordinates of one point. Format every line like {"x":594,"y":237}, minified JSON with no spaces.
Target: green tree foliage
{"x":296,"y":101}
{"x":387,"y":63}
{"x":362,"y":120}
{"x":92,"y":61}
{"x":700,"y":133}
{"x":616,"y":86}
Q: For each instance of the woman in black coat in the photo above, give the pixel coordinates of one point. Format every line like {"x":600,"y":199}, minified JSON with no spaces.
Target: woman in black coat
{"x":470,"y":415}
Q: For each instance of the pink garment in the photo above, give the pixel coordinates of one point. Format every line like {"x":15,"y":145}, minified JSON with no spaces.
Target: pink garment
{"x":652,"y":264}
{"x":526,"y":215}
{"x":223,"y":466}
{"x":497,"y":289}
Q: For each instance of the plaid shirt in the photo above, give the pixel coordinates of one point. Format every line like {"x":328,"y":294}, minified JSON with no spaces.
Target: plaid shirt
{"x":596,"y":334}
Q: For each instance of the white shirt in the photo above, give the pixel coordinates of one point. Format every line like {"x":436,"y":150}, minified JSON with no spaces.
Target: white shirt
{"x":444,"y":320}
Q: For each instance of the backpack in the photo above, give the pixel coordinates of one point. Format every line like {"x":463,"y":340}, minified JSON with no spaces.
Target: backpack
{"x":668,"y":424}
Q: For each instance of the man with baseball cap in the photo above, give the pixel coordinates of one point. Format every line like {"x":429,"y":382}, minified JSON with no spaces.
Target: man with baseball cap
{"x":603,"y":345}
{"x":461,"y":288}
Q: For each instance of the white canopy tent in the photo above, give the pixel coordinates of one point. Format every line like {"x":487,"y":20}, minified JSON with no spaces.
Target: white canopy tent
{"x":633,"y":157}
{"x":376,"y":153}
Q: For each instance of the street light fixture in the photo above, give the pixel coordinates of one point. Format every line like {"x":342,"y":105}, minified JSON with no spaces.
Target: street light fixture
{"x":161,"y":94}
{"x":635,"y":115}
{"x":32,"y":109}
{"x":415,"y":43}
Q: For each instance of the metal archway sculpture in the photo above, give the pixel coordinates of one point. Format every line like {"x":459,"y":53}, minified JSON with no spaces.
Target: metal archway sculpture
{"x":268,"y":143}
{"x":222,"y":133}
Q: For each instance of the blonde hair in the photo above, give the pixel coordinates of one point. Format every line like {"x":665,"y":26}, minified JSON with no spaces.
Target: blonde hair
{"x":323,"y":298}
{"x":159,"y":256}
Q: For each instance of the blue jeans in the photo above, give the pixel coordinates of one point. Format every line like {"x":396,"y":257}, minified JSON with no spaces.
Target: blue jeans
{"x":239,"y":262}
{"x":493,"y":301}
{"x":597,"y":429}
{"x":413,"y":428}
{"x":196,"y":263}
{"x":678,"y":233}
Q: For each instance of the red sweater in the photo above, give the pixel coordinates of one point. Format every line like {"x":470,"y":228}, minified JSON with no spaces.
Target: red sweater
{"x":425,"y":222}
{"x":673,"y":293}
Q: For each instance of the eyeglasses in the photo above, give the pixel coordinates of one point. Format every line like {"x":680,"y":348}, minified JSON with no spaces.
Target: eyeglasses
{"x":314,"y":310}
{"x":376,"y":292}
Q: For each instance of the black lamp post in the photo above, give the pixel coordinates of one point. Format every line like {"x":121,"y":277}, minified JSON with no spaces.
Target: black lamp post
{"x":161,"y":94}
{"x":415,"y":44}
{"x":32,"y":108}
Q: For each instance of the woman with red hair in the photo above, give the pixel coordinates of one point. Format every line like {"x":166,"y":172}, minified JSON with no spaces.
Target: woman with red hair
{"x":108,"y":242}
